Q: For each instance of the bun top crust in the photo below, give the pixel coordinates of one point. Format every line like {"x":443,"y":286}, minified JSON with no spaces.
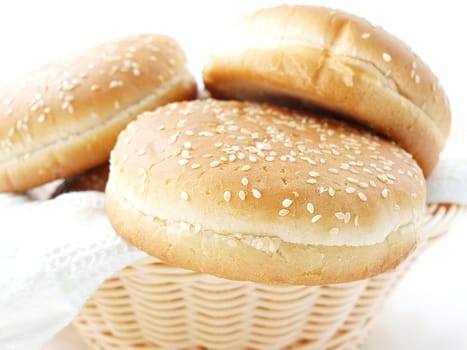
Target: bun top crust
{"x":339,"y":61}
{"x":53,"y":107}
{"x":235,"y":167}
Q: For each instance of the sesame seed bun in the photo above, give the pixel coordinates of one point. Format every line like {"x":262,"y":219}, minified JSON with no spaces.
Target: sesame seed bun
{"x":258,"y":192}
{"x":94,"y":179}
{"x":328,"y":58}
{"x":64,"y":118}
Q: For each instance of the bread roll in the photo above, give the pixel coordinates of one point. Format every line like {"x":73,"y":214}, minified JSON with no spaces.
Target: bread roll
{"x":256,"y":192}
{"x":327,"y":58}
{"x":64,"y":118}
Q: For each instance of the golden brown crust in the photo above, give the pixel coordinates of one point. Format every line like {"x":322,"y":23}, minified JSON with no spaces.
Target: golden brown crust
{"x":332,"y":59}
{"x":64,"y":118}
{"x":233,"y":258}
{"x":92,"y":180}
{"x":264,"y":172}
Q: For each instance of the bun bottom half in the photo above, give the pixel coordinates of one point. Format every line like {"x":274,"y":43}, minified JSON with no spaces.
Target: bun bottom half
{"x":257,"y":259}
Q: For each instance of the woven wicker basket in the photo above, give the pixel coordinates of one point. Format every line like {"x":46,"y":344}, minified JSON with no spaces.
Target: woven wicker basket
{"x":150,"y":305}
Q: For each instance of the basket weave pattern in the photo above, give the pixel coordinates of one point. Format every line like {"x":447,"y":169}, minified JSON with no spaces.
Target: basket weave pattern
{"x":150,"y":305}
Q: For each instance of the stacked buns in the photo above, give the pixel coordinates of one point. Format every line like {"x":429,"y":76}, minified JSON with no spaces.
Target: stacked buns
{"x":322,"y":191}
{"x":257,"y":192}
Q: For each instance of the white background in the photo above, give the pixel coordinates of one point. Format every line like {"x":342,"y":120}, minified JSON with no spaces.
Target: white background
{"x":429,"y":309}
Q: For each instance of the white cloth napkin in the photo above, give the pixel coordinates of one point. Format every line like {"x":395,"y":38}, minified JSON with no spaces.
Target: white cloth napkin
{"x":55,"y":253}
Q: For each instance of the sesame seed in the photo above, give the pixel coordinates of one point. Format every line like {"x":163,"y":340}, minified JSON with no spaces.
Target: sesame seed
{"x":340,"y":215}
{"x":186,"y":154}
{"x":365,"y":35}
{"x":385,"y":193}
{"x":350,"y":189}
{"x":189,"y":133}
{"x":316,"y":218}
{"x":386,"y":57}
{"x":140,"y":152}
{"x":269,"y":158}
{"x":242,"y":195}
{"x":347,"y":217}
{"x":205,"y":133}
{"x":356,"y":221}
{"x":362,"y":196}
{"x":310,"y":208}
{"x":363,"y":184}
{"x":184,"y":196}
{"x":183,"y":161}
{"x":382,"y":178}
{"x":283,"y":212}
{"x":345,"y":166}
{"x":41,"y":118}
{"x":173,"y":138}
{"x":115,"y":83}
{"x":245,"y":167}
{"x":334,"y":231}
{"x":313,"y":173}
{"x":256,"y":193}
{"x":287,"y":202}
{"x":187,"y":145}
{"x":333,"y":170}
{"x":197,"y":228}
{"x":244,"y":181}
{"x":94,"y":87}
{"x":241,"y":156}
{"x":195,"y":166}
{"x":331,"y":191}
{"x":218,"y":144}
{"x":352,"y":179}
{"x":252,"y":158}
{"x":227,"y":196}
{"x":214,"y":163}
{"x":417,"y":79}
{"x":207,"y":155}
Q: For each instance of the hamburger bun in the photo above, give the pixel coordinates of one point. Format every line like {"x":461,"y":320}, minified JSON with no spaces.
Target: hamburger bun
{"x":326,"y":58}
{"x":258,"y":192}
{"x":64,"y":118}
{"x":94,"y":179}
